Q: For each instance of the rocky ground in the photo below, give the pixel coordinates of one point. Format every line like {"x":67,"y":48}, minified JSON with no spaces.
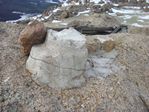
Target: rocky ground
{"x":125,"y":90}
{"x":117,"y":81}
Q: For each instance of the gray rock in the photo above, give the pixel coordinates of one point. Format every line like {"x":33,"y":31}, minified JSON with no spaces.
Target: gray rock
{"x":60,"y":61}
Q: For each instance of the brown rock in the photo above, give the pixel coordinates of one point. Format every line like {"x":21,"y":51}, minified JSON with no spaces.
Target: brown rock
{"x":108,"y":45}
{"x":33,"y":33}
{"x":119,"y":14}
{"x":64,"y":14}
{"x":93,"y":45}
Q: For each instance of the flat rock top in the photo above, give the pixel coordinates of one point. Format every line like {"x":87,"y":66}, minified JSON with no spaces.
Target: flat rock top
{"x":127,"y":90}
{"x":68,"y":34}
{"x":96,"y":20}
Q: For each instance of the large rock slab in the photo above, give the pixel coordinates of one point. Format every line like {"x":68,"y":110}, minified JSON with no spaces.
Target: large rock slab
{"x":33,"y":33}
{"x":60,"y":61}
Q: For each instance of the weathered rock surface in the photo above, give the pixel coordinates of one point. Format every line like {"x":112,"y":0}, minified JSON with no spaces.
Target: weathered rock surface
{"x":125,"y":90}
{"x":93,"y":44}
{"x":101,"y":56}
{"x":139,"y":30}
{"x":108,"y":45}
{"x":33,"y":33}
{"x":60,"y":61}
{"x":64,"y":14}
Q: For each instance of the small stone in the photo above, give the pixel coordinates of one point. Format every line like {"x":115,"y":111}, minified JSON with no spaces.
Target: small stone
{"x":108,"y":45}
{"x":64,"y":15}
{"x":93,"y":45}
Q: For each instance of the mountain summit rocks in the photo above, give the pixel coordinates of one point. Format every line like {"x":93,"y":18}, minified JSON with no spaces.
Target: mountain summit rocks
{"x":60,"y":61}
{"x":33,"y":33}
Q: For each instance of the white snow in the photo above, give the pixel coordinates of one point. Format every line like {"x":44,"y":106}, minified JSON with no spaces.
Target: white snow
{"x":140,"y":20}
{"x":136,"y":24}
{"x":147,"y":1}
{"x":51,"y":1}
{"x":64,"y":24}
{"x":6,"y":79}
{"x":68,"y":4}
{"x":103,"y":39}
{"x":65,"y":4}
{"x":115,"y":5}
{"x":144,"y":17}
{"x":127,"y":16}
{"x":56,"y":21}
{"x":57,"y":9}
{"x":83,"y":12}
{"x":126,"y":11}
{"x":97,"y":1}
{"x":131,"y":7}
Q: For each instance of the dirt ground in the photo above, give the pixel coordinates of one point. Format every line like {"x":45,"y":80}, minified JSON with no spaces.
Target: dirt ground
{"x":124,"y":91}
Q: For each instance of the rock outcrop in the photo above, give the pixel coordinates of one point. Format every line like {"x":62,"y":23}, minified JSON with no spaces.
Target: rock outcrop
{"x":33,"y":33}
{"x":60,"y":61}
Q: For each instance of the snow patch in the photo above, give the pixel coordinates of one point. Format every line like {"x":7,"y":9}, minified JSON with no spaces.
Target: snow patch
{"x":83,"y":12}
{"x":56,"y":21}
{"x":136,"y":24}
{"x":57,"y":9}
{"x":125,"y":11}
{"x":140,"y":20}
{"x":65,"y":24}
{"x":144,"y":17}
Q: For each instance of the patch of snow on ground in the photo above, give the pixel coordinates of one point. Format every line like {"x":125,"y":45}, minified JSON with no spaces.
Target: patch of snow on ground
{"x":140,"y":20}
{"x":51,"y":1}
{"x":127,"y":16}
{"x":64,"y":24}
{"x":6,"y":79}
{"x":57,"y":9}
{"x":125,"y":11}
{"x":84,"y":12}
{"x":115,"y":5}
{"x":131,"y":7}
{"x":136,"y":24}
{"x":144,"y":17}
{"x":65,"y":4}
{"x":56,"y":21}
{"x":103,"y":39}
{"x":95,"y":1}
